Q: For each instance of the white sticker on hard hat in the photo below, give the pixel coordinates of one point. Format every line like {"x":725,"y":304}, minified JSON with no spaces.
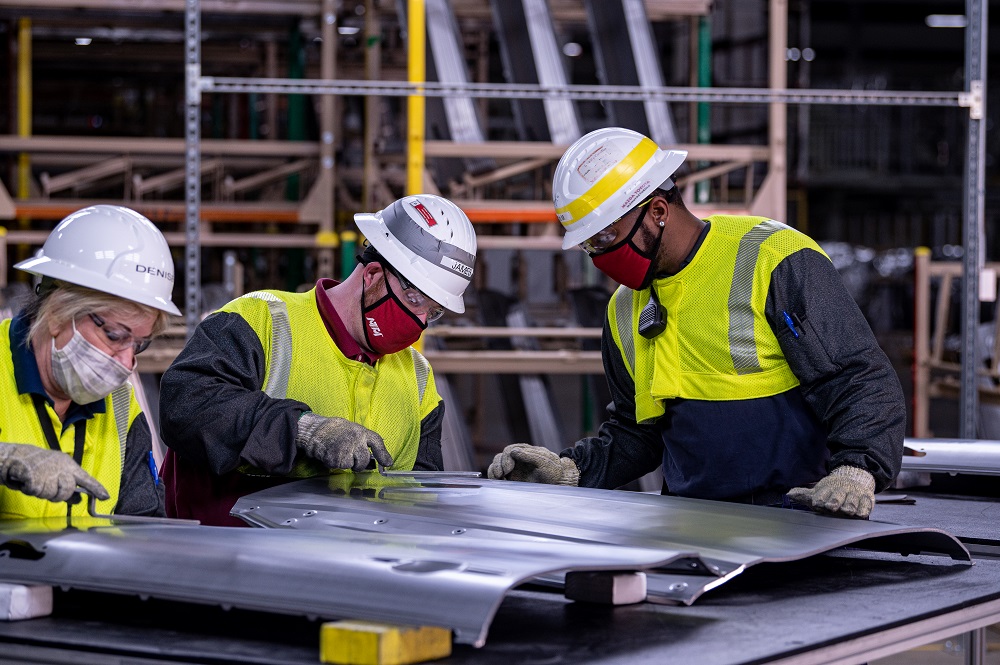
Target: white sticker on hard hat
{"x":457,"y":266}
{"x":600,"y":162}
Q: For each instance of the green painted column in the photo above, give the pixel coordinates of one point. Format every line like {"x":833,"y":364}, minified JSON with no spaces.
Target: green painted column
{"x":702,"y":189}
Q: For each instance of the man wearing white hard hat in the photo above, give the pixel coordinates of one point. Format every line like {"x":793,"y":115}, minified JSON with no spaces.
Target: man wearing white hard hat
{"x":735,"y":356}
{"x":277,"y":386}
{"x":68,"y":416}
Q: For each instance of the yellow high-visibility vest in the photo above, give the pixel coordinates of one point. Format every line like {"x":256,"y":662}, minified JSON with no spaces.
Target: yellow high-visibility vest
{"x":104,"y":444}
{"x":302,"y":362}
{"x":717,"y":344}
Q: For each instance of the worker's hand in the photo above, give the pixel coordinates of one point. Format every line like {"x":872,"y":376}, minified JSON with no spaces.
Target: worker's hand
{"x":46,"y":474}
{"x":847,"y":491}
{"x":337,"y":443}
{"x":533,"y":464}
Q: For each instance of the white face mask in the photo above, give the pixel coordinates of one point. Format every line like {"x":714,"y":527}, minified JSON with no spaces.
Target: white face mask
{"x":84,"y":372}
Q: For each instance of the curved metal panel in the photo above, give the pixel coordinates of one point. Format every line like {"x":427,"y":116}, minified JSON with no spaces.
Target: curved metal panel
{"x":726,"y":537}
{"x":444,"y":580}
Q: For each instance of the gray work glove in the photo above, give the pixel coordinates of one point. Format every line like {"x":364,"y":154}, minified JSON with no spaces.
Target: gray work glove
{"x":46,"y":474}
{"x":338,"y":443}
{"x":848,"y":491}
{"x":533,"y":464}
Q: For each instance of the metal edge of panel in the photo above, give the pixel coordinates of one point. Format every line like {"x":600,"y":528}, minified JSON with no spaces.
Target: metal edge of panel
{"x":973,"y":456}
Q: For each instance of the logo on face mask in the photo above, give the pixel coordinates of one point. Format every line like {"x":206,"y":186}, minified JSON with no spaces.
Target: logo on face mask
{"x":373,"y":326}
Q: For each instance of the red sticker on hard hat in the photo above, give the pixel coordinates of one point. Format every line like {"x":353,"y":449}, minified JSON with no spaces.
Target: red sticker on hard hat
{"x":424,"y":212}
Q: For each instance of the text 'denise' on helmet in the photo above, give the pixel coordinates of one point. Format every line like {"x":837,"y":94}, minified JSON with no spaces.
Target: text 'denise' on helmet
{"x":430,"y":241}
{"x":111,"y":249}
{"x":603,"y":175}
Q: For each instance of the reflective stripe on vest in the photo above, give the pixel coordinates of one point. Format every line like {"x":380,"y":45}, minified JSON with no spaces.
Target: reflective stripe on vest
{"x":120,"y":399}
{"x":280,"y":367}
{"x":742,"y":344}
{"x":423,"y":370}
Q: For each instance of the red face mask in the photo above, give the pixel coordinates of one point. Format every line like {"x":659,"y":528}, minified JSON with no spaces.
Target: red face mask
{"x":389,"y":325}
{"x":626,"y":263}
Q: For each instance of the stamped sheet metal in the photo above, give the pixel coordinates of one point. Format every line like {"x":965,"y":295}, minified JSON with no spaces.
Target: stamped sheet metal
{"x":727,"y":537}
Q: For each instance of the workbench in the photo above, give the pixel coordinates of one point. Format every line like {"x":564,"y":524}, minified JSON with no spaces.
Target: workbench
{"x":847,"y":606}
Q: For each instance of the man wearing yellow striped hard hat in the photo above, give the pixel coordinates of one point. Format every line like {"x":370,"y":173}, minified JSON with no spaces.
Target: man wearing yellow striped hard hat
{"x":735,"y":356}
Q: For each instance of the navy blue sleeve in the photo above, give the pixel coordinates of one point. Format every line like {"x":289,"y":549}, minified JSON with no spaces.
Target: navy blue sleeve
{"x":844,"y":375}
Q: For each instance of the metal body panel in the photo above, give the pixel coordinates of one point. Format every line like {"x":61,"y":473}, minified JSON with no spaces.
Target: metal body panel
{"x":444,"y":580}
{"x":973,"y":456}
{"x":726,"y":537}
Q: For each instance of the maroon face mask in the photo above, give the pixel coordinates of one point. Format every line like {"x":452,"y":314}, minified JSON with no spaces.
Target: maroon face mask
{"x":626,"y":263}
{"x":389,"y":325}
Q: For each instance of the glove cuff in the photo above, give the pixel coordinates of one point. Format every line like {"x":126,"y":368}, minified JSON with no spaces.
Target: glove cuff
{"x":570,"y":472}
{"x":309,"y":422}
{"x":856,"y":475}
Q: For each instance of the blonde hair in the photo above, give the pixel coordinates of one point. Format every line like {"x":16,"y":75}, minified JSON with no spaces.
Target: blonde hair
{"x":62,"y":303}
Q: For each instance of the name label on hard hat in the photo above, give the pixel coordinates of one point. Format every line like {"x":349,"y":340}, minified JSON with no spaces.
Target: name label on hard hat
{"x":457,"y":266}
{"x":155,"y":272}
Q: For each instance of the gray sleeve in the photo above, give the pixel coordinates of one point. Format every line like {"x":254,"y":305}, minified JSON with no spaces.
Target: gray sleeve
{"x":845,"y":377}
{"x":212,"y":409}
{"x":141,"y":492}
{"x":429,"y":455}
{"x":623,"y":450}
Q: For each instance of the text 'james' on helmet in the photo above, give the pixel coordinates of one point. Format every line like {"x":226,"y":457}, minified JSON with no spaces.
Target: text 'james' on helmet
{"x":111,"y":249}
{"x":605,"y":174}
{"x":429,"y":240}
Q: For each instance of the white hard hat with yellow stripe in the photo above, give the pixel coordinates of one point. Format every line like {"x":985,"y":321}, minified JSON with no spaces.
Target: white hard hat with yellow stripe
{"x":605,"y":174}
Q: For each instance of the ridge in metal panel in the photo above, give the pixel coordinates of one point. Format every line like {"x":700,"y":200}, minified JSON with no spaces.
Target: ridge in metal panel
{"x":447,"y":581}
{"x":614,"y":24}
{"x":531,"y":54}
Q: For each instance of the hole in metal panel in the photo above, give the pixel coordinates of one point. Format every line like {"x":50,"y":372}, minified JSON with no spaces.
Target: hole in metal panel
{"x":19,"y":549}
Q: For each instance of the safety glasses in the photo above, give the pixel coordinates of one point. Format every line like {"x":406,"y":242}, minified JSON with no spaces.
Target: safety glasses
{"x":605,"y":238}
{"x":419,"y":303}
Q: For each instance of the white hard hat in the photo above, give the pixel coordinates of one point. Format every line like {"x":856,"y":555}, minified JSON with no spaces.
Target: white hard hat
{"x":110,"y":249}
{"x":429,"y":240}
{"x":605,"y":174}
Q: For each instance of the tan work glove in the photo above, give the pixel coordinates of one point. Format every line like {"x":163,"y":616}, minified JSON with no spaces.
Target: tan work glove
{"x":847,"y":491}
{"x":338,"y":443}
{"x":46,"y":474}
{"x":533,"y":464}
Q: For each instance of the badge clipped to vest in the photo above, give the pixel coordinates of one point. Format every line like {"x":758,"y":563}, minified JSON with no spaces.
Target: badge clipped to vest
{"x":652,"y":318}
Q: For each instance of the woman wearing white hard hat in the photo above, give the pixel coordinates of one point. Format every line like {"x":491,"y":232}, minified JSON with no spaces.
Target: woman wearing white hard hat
{"x":68,"y":416}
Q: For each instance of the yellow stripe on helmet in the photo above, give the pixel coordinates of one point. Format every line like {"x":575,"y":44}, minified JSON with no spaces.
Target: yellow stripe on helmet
{"x":611,"y":182}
